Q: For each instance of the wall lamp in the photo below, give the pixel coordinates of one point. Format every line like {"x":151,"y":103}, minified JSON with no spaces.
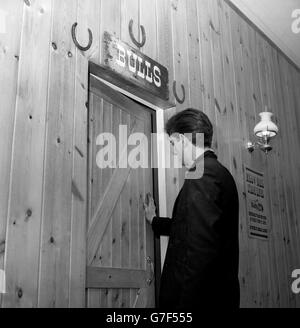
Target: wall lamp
{"x":265,"y":130}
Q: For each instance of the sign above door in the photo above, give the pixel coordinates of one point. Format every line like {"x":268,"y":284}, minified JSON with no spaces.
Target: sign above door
{"x":134,"y":67}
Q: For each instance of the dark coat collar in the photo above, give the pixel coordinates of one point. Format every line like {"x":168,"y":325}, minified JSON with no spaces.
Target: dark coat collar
{"x":210,"y":153}
{"x":207,"y":154}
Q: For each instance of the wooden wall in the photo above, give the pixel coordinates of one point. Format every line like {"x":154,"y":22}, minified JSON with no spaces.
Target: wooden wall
{"x":229,"y":70}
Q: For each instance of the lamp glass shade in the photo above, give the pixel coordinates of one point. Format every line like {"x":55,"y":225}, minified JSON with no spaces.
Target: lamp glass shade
{"x":266,"y":127}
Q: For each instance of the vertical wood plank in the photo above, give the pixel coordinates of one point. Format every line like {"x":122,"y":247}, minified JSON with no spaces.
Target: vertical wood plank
{"x":117,"y":219}
{"x":280,"y":291}
{"x":96,"y":126}
{"x":126,"y":217}
{"x":165,"y":57}
{"x":206,"y":61}
{"x":287,"y":120}
{"x":259,"y":160}
{"x":26,"y":187}
{"x":134,"y":226}
{"x":88,"y":12}
{"x":165,"y":39}
{"x":105,"y":249}
{"x":248,"y":248}
{"x":9,"y":66}
{"x":111,"y":22}
{"x":221,"y":131}
{"x":180,"y":58}
{"x":235,"y":138}
{"x":58,"y":184}
{"x":195,"y":80}
{"x":148,"y":18}
{"x":149,"y":237}
{"x":130,"y":9}
{"x":283,"y":252}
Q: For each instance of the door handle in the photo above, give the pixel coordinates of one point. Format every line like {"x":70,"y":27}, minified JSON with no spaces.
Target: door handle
{"x":152,"y":273}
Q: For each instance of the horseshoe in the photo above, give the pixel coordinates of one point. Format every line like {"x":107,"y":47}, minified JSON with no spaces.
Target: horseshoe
{"x":182,"y":100}
{"x":80,"y":47}
{"x":133,"y":39}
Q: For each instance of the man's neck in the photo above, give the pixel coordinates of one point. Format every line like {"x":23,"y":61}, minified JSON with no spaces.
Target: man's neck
{"x":200,"y":153}
{"x":208,"y":149}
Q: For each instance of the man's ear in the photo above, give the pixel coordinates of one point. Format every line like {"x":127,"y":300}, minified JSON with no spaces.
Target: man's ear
{"x":185,"y":141}
{"x":178,"y":137}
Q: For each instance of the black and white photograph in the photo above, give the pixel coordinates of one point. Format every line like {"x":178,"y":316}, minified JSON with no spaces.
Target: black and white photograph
{"x":150,"y":157}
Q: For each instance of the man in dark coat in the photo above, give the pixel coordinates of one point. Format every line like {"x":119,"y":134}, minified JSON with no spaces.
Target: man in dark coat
{"x":202,"y":259}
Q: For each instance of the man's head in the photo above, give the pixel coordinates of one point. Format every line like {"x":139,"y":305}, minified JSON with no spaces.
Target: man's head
{"x":185,"y":130}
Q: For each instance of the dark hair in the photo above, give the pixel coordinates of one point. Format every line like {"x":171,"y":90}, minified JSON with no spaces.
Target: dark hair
{"x":191,"y":121}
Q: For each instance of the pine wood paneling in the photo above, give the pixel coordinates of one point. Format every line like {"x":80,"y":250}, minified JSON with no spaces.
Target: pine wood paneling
{"x":9,"y":64}
{"x":57,"y":206}
{"x":249,"y":279}
{"x":87,"y":17}
{"x":235,"y":149}
{"x":26,"y":186}
{"x":165,"y":57}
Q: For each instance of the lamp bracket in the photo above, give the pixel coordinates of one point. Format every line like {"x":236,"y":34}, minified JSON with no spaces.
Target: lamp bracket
{"x":265,"y":147}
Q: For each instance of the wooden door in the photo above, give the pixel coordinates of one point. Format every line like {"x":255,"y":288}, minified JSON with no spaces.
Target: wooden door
{"x":120,"y":252}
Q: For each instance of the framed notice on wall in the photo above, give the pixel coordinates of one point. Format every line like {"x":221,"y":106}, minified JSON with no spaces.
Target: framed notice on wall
{"x":258,"y":222}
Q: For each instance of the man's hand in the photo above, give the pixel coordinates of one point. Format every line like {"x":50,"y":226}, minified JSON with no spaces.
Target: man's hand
{"x":149,"y":208}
